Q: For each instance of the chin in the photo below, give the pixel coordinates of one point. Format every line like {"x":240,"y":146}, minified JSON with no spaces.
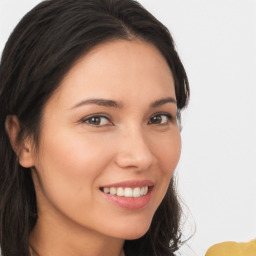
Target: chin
{"x":135,"y":232}
{"x":135,"y":236}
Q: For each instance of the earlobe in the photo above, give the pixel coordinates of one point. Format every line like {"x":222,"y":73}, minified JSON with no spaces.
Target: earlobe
{"x":21,"y":146}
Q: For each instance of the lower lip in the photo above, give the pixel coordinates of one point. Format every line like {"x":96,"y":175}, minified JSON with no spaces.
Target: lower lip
{"x":130,"y":203}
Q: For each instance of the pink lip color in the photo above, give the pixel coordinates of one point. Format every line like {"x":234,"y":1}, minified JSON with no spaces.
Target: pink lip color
{"x":131,"y":203}
{"x":131,"y":184}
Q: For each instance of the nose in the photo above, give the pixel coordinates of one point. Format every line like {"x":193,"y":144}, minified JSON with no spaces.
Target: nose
{"x":134,"y":150}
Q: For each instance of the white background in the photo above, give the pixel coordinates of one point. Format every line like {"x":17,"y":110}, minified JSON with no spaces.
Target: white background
{"x":216,"y":40}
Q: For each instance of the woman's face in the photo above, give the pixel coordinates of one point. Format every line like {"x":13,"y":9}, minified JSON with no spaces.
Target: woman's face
{"x":109,"y":141}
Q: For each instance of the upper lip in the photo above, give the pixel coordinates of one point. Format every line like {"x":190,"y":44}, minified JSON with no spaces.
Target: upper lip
{"x":130,"y":184}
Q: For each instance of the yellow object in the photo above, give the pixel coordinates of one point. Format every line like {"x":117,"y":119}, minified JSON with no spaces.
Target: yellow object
{"x":233,"y":249}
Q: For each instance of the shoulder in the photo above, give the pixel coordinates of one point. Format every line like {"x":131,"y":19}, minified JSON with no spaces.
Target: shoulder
{"x":233,"y":249}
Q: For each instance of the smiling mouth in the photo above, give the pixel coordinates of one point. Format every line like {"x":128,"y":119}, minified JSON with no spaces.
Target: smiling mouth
{"x":127,"y":192}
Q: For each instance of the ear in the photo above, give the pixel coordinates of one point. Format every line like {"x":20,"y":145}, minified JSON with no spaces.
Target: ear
{"x":22,"y":147}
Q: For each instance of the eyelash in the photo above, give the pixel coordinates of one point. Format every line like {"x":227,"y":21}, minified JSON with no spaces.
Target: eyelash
{"x":87,"y":120}
{"x":90,"y":118}
{"x":168,"y":116}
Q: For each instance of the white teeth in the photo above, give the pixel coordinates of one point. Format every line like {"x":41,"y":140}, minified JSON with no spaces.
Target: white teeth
{"x":142,"y":191}
{"x":113,"y":191}
{"x":136,"y":192}
{"x":127,"y":192}
{"x":106,"y":190}
{"x":120,"y":192}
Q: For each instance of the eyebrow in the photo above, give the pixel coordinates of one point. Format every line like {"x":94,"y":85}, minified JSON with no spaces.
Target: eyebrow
{"x":100,"y":102}
{"x":163,"y":101}
{"x":115,"y":104}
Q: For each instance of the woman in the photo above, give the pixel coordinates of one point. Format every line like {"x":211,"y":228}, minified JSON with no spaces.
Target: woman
{"x":91,"y":94}
{"x":233,"y":249}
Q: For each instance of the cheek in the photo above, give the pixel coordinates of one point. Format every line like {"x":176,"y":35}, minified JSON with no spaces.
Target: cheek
{"x":168,"y":152}
{"x":71,"y":165}
{"x":68,"y":171}
{"x":74,"y":154}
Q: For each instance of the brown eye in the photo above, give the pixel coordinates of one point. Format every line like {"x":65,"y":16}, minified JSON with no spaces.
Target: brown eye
{"x":160,"y":119}
{"x":97,"y":121}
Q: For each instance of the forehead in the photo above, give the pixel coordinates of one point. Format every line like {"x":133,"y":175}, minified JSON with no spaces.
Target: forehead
{"x":127,"y":67}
